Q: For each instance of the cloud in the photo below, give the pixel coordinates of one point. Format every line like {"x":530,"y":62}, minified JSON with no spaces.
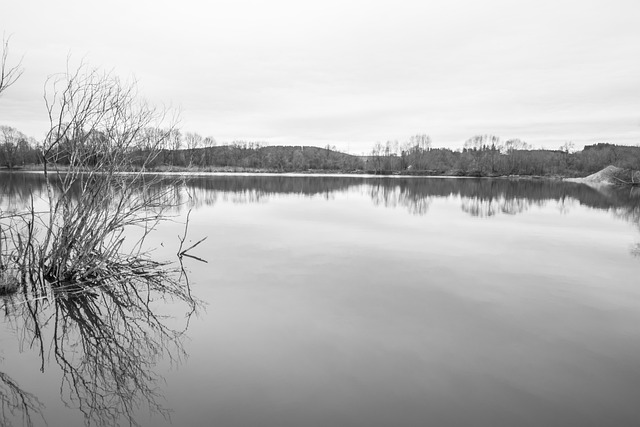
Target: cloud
{"x":299,"y":72}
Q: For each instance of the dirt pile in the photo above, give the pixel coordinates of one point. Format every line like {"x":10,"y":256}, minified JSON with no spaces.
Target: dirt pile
{"x":611,"y":175}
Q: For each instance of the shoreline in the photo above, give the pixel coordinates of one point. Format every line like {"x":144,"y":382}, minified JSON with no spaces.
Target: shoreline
{"x":240,"y":171}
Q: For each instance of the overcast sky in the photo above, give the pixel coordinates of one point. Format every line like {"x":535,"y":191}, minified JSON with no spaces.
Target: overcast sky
{"x":349,"y":73}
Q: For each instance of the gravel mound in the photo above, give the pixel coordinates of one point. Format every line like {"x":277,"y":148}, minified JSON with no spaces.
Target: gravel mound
{"x":608,"y":175}
{"x":611,"y":175}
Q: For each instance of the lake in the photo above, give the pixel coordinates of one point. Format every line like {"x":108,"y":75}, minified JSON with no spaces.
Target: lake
{"x":367,"y":301}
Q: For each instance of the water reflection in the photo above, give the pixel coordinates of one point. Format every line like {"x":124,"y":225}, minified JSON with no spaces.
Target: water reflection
{"x":17,"y":403}
{"x":479,"y":197}
{"x":108,"y":342}
{"x":482,"y":198}
{"x":102,"y":330}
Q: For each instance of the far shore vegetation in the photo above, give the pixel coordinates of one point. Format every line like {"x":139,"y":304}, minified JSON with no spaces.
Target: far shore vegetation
{"x":482,"y":156}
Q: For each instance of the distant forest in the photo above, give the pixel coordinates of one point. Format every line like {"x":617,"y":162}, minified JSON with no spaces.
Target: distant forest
{"x":482,"y":155}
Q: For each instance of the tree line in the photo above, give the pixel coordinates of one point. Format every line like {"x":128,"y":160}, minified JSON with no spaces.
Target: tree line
{"x":481,"y":155}
{"x":487,"y":155}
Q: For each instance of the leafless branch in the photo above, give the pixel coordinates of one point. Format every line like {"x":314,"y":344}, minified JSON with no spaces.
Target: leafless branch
{"x":8,"y":74}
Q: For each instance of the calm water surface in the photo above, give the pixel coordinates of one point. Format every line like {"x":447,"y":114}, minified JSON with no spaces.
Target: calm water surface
{"x":348,"y":301}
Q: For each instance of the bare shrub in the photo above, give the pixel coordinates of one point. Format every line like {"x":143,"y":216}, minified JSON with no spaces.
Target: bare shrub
{"x":80,"y":269}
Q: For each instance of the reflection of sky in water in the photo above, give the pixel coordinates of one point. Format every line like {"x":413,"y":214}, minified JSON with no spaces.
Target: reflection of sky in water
{"x":339,"y":311}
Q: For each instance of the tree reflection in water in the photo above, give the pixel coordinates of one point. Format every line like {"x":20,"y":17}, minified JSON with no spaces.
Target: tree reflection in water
{"x":479,"y":197}
{"x":17,"y":402}
{"x":106,"y":338}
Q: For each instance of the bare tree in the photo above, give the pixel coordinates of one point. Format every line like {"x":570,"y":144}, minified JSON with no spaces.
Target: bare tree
{"x":175,"y":143}
{"x":567,"y":147}
{"x":516,"y":144}
{"x":192,"y":141}
{"x":485,"y":150}
{"x":416,"y":150}
{"x":207,"y":143}
{"x":480,"y":142}
{"x":97,"y":132}
{"x":13,"y":145}
{"x":94,"y":147}
{"x":8,"y":74}
{"x":421,"y":142}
